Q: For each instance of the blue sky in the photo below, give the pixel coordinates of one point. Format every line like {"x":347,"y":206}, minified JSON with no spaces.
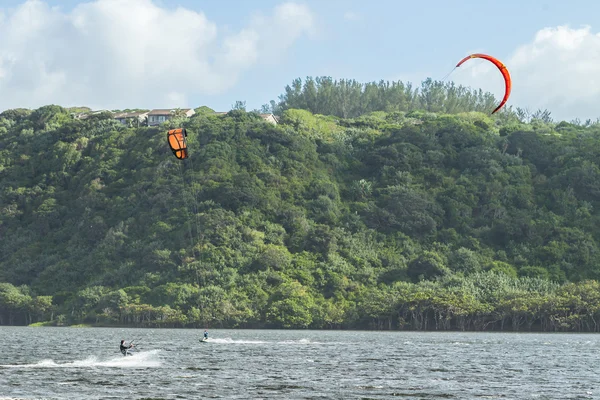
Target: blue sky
{"x":364,"y":40}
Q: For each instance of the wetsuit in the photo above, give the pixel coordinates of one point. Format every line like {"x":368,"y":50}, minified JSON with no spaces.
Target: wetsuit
{"x":125,"y":348}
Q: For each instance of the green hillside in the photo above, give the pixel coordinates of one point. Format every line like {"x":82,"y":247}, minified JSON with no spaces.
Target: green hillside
{"x":366,"y":206}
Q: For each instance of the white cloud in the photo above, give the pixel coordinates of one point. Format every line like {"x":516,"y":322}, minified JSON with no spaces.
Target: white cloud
{"x":558,"y":70}
{"x":132,"y":53}
{"x":288,"y":23}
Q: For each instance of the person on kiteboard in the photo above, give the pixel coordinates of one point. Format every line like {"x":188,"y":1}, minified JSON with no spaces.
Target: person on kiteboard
{"x":124,"y":348}
{"x":205,"y":334}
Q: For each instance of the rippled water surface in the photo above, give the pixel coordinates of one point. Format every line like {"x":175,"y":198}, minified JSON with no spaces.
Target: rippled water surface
{"x":85,"y":363}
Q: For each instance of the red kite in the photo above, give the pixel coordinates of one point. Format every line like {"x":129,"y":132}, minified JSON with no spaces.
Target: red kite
{"x":503,"y":70}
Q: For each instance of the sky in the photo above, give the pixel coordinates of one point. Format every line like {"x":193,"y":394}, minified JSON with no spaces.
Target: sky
{"x":117,"y":54}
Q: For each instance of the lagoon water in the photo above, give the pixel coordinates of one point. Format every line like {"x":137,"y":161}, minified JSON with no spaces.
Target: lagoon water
{"x":85,"y":363}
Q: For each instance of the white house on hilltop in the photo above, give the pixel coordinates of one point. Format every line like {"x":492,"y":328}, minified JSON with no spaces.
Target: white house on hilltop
{"x":270,"y":118}
{"x":158,"y":116}
{"x":125,"y":117}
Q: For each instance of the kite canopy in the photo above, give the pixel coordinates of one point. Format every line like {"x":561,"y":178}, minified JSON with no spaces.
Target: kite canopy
{"x":178,"y":143}
{"x":503,"y":70}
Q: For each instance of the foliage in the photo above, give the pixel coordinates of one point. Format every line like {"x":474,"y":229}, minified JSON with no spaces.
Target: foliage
{"x":371,"y":205}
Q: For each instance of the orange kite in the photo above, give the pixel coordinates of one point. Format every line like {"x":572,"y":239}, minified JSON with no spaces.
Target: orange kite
{"x":178,"y":143}
{"x":503,"y":70}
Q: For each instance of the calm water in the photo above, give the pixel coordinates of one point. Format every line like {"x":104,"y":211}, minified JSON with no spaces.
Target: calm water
{"x":85,"y":363}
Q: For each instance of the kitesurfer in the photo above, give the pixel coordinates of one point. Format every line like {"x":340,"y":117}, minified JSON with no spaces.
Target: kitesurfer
{"x":124,"y":348}
{"x":205,"y":334}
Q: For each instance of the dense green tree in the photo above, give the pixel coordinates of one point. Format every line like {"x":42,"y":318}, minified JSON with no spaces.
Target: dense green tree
{"x":372,"y":205}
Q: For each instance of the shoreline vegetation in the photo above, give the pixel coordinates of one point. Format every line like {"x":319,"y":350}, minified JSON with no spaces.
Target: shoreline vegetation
{"x":365,"y":206}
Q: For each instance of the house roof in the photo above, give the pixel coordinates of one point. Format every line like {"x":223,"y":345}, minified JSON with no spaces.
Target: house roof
{"x":130,"y":114}
{"x":275,"y":117}
{"x":84,"y":115}
{"x":165,"y":111}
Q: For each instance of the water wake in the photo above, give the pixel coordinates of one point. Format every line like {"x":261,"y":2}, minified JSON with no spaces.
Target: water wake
{"x":242,"y":341}
{"x":230,"y":340}
{"x":145,"y":359}
{"x":300,"y":341}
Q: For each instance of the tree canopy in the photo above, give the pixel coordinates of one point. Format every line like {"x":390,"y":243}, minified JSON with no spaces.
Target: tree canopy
{"x":368,"y":205}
